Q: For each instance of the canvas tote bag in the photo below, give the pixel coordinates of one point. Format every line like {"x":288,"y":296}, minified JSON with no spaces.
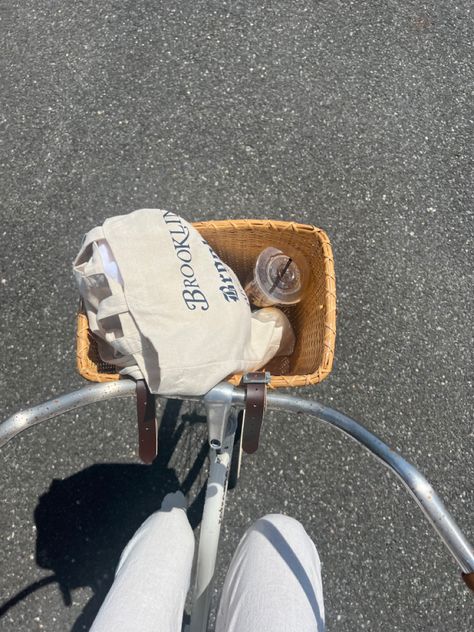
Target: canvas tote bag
{"x":165,"y":308}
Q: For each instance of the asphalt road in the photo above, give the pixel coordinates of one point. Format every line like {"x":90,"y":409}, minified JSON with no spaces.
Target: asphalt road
{"x":354,"y":116}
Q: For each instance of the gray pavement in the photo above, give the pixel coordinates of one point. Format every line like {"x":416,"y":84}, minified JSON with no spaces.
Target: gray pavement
{"x":354,"y":116}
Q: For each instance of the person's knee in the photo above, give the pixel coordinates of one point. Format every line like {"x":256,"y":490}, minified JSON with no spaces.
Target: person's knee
{"x":283,"y":530}
{"x":284,"y":524}
{"x":171,"y":524}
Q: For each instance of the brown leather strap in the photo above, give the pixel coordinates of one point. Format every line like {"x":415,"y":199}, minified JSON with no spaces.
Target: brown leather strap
{"x":147,"y":423}
{"x":255,"y":404}
{"x":469,"y":579}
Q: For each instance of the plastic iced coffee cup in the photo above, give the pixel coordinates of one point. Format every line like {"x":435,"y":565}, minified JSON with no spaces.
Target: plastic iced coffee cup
{"x":278,"y":279}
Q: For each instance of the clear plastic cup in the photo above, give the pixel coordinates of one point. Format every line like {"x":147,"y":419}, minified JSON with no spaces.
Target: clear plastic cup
{"x":278,"y":279}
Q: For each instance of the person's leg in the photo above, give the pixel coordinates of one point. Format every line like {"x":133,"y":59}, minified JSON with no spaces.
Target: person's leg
{"x":274,"y":581}
{"x":153,"y":575}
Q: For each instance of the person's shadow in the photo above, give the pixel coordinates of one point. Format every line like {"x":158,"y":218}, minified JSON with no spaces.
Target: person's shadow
{"x":84,"y":522}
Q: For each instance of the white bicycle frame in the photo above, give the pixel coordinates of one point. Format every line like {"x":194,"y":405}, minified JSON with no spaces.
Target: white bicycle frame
{"x":219,"y":403}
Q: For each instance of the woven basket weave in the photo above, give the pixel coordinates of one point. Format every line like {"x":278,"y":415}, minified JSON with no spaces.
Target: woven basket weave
{"x":238,"y":243}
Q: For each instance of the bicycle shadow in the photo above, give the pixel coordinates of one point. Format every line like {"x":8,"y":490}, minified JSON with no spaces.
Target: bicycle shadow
{"x":84,"y":522}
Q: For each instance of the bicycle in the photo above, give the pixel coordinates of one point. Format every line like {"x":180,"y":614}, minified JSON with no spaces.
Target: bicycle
{"x":230,"y":431}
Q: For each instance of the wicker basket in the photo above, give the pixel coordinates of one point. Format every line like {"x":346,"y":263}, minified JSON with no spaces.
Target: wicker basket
{"x":238,"y":243}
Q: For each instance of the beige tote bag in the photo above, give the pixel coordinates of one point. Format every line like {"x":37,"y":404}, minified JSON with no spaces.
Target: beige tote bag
{"x":165,"y":307}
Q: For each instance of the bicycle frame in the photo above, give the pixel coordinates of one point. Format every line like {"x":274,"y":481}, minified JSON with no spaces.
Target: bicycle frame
{"x":219,"y":403}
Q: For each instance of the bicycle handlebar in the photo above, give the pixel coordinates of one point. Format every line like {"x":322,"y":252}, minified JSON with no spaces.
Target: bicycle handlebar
{"x":417,"y":485}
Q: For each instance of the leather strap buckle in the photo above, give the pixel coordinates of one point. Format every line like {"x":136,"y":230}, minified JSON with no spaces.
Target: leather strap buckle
{"x":255,"y":405}
{"x":147,"y":423}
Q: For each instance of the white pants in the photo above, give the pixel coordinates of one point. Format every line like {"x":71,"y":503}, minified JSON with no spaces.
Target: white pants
{"x":273,"y":583}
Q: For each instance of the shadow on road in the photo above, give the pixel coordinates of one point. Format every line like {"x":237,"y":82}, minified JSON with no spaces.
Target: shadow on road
{"x":84,"y":522}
